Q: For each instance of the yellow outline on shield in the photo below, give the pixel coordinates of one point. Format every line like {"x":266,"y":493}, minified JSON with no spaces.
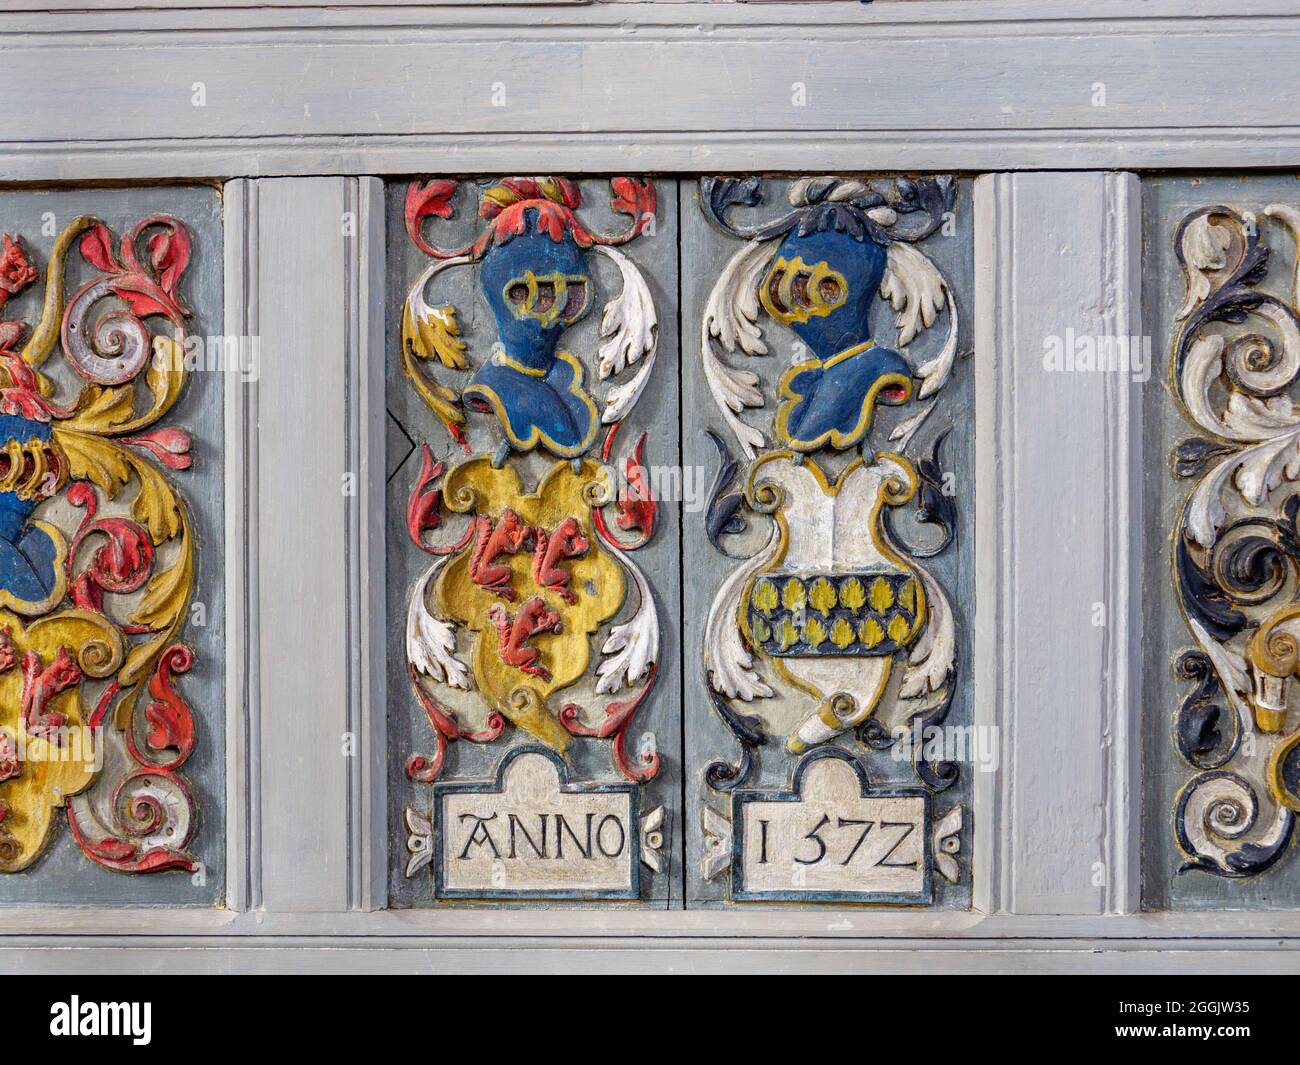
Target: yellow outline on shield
{"x":884,"y":497}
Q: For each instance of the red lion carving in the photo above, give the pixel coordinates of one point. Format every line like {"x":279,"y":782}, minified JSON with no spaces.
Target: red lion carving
{"x":533,"y":618}
{"x":43,"y":683}
{"x":493,"y":540}
{"x":551,"y":548}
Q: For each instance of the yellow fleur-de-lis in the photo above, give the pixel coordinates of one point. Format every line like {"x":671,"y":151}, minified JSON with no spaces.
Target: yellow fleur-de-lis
{"x":786,"y":634}
{"x":792,"y":595}
{"x":841,"y":633}
{"x":821,"y":596}
{"x":870,"y":632}
{"x":907,"y":596}
{"x":765,"y":597}
{"x":851,"y":593}
{"x":898,"y":629}
{"x":814,"y":633}
{"x":761,"y":629}
{"x":882,"y":595}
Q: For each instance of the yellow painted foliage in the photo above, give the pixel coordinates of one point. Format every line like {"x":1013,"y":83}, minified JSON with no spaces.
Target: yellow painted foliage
{"x":821,"y":596}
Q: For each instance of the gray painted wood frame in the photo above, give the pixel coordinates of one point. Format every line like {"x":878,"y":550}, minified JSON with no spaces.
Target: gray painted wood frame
{"x":1008,"y":85}
{"x":1058,"y":527}
{"x":315,"y":739}
{"x":893,"y":85}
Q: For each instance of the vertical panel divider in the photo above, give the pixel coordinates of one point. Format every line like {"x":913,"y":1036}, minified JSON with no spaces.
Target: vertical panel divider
{"x":1058,"y":519}
{"x":367,"y":605}
{"x":243,"y":868}
{"x":306,"y":497}
{"x":685,"y":189}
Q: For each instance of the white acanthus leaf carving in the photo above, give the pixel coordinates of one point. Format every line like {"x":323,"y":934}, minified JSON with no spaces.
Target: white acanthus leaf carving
{"x":1254,"y":472}
{"x":1205,"y":252}
{"x":1232,"y":670}
{"x":632,"y":647}
{"x":1289,"y":217}
{"x":901,"y":434}
{"x":730,"y":666}
{"x":1270,"y":424}
{"x":1246,"y":418}
{"x":946,"y":840}
{"x":431,"y":642}
{"x":934,"y":657}
{"x":1235,"y":388}
{"x":917,"y":292}
{"x":1205,"y":510}
{"x":841,"y":193}
{"x":629,"y":330}
{"x":419,"y":842}
{"x":717,"y":842}
{"x":730,"y":317}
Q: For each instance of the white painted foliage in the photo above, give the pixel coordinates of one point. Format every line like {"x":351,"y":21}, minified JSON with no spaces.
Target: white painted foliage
{"x":629,"y":330}
{"x":731,"y":319}
{"x":917,"y":292}
{"x":632,"y":647}
{"x":431,"y":642}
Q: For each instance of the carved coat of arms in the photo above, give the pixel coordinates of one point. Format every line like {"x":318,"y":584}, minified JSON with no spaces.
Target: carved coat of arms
{"x":828,"y":613}
{"x":531,"y":614}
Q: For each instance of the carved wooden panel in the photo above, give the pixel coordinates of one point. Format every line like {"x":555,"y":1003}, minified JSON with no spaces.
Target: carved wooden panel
{"x":1223,"y":773}
{"x":111,"y":650}
{"x":828,"y":572}
{"x":534,"y":730}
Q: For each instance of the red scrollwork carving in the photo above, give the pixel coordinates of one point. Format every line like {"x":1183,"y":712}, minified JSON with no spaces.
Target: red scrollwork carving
{"x":445,"y":730}
{"x":618,"y":720}
{"x":635,"y":499}
{"x":168,"y":717}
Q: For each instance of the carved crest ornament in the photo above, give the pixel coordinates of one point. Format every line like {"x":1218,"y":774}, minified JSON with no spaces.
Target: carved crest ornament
{"x":531,"y":578}
{"x":1235,"y":550}
{"x":829,"y":625}
{"x":96,"y":552}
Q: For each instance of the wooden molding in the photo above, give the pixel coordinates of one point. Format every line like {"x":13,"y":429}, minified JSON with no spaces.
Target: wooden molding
{"x":1058,"y":506}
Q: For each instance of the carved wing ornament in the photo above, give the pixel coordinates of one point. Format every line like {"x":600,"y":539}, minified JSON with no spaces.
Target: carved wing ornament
{"x":1236,"y":556}
{"x":830,"y":626}
{"x":532,"y":592}
{"x":98,"y":562}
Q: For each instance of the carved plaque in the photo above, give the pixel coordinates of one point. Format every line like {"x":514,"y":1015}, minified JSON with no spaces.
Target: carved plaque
{"x":531,"y":834}
{"x":832,"y":839}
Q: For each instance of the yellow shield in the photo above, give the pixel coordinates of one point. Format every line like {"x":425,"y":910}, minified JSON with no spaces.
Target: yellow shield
{"x":49,"y":772}
{"x":595,"y":584}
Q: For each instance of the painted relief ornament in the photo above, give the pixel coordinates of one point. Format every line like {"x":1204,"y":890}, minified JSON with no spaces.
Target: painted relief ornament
{"x":829,"y":616}
{"x":532,"y":606}
{"x":1236,"y":546}
{"x":96,"y":553}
